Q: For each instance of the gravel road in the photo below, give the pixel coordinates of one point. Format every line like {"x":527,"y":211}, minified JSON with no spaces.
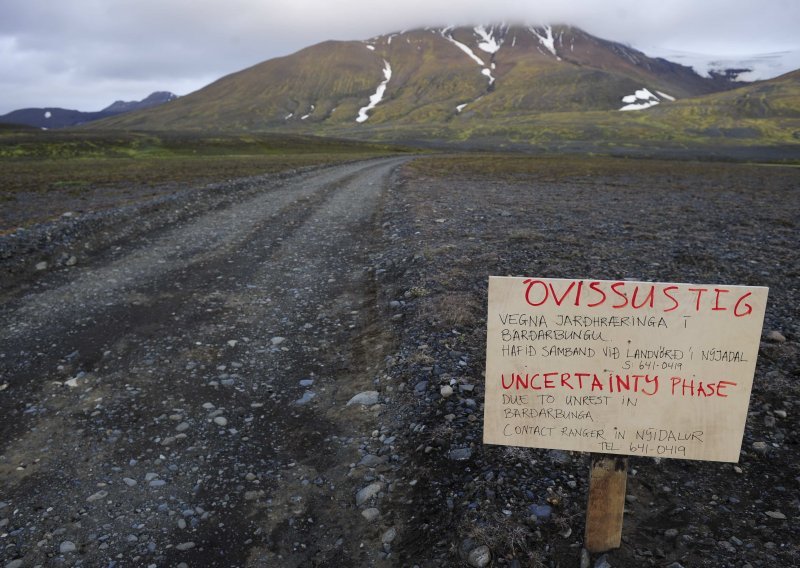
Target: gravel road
{"x":184,"y":398}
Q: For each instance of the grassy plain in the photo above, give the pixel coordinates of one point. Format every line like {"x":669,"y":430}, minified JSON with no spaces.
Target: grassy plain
{"x":43,"y":174}
{"x":52,"y":160}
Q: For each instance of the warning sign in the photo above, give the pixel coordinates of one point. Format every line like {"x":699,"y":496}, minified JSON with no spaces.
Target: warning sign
{"x":621,"y":367}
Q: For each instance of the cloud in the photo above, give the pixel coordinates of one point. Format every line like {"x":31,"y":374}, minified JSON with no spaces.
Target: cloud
{"x":86,"y":53}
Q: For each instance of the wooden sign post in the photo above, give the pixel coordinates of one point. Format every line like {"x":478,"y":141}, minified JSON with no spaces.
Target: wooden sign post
{"x":607,"y":481}
{"x":620,"y":368}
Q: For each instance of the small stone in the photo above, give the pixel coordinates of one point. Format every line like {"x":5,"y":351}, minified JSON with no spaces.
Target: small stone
{"x":368,"y":493}
{"x":72,"y":261}
{"x":560,"y":457}
{"x":775,"y":336}
{"x":307,"y":397}
{"x":97,"y":496}
{"x":220,"y":421}
{"x":150,"y":476}
{"x":460,"y":454}
{"x":541,"y":512}
{"x":480,"y":557}
{"x":67,"y":546}
{"x":780,"y":413}
{"x":371,"y":514}
{"x":602,"y":562}
{"x":675,"y":565}
{"x":671,"y":533}
{"x":185,"y":546}
{"x":128,"y":481}
{"x":181,"y":524}
{"x":366,"y":398}
{"x":15,"y":563}
{"x":446,"y":391}
{"x":389,"y":535}
{"x":158,"y":483}
{"x":306,"y":382}
{"x":775,"y":515}
{"x":760,"y":446}
{"x":277,"y":340}
{"x":232,"y":343}
{"x":371,"y":460}
{"x":182,"y":427}
{"x":586,"y":560}
{"x":41,"y":265}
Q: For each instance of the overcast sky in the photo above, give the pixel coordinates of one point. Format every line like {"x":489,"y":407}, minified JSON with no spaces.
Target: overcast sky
{"x":85,"y":54}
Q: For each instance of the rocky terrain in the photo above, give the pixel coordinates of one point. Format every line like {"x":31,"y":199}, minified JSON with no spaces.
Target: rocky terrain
{"x":286,"y":370}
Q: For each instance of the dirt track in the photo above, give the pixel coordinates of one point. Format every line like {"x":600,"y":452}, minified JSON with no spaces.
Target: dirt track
{"x":216,"y":357}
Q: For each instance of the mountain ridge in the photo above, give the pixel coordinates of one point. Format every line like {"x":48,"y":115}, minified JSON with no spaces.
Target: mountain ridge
{"x":57,"y":117}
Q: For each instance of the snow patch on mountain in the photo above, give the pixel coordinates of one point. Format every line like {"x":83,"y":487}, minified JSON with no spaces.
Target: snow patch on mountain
{"x":488,"y":42}
{"x":463,"y":47}
{"x":640,"y":100}
{"x":378,"y":96}
{"x":310,"y":112}
{"x":749,"y":67}
{"x":487,"y":46}
{"x":546,"y":39}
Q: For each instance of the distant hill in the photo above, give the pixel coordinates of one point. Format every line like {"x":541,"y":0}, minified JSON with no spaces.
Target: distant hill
{"x":54,"y":117}
{"x":152,"y":100}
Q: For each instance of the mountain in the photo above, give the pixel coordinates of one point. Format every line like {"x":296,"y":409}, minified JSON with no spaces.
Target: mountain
{"x":432,"y":75}
{"x":53,"y":117}
{"x":486,"y":86}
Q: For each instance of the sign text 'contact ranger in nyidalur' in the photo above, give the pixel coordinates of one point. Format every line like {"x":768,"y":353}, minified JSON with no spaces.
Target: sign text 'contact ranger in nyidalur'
{"x":620,"y":367}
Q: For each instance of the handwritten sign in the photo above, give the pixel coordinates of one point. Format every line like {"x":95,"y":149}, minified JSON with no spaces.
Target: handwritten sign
{"x":621,"y":367}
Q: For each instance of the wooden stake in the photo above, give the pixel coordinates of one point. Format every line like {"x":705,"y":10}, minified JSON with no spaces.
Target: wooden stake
{"x":607,"y":481}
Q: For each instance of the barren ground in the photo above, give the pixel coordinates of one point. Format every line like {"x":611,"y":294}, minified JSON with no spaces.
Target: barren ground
{"x":174,"y":384}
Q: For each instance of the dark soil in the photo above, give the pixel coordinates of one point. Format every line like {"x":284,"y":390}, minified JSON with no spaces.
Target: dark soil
{"x":452,"y":226}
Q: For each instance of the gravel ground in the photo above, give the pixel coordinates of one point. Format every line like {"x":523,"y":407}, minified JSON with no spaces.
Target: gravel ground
{"x":524,"y":507}
{"x":254,"y":377}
